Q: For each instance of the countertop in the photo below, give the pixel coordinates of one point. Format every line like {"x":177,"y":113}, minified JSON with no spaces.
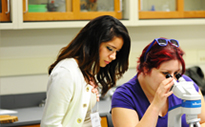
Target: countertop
{"x":32,"y":115}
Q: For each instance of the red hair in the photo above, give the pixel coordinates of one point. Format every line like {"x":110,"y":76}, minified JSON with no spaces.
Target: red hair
{"x":159,"y":54}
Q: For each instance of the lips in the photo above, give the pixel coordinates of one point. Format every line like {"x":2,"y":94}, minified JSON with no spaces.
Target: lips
{"x":107,"y":62}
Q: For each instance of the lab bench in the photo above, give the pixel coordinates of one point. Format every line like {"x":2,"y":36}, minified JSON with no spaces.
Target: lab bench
{"x":32,"y":116}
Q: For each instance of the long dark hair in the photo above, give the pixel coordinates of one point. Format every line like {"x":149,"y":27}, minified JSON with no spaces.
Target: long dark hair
{"x":85,"y":48}
{"x":159,"y":54}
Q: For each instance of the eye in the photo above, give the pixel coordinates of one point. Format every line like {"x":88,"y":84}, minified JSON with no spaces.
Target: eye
{"x":176,"y":73}
{"x":165,"y":73}
{"x":110,"y":49}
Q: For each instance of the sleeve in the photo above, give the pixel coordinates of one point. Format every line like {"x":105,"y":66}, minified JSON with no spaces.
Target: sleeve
{"x":122,"y":98}
{"x":187,"y":78}
{"x":59,"y":95}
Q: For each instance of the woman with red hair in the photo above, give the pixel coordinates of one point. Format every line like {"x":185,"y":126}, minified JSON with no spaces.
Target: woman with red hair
{"x":145,"y":99}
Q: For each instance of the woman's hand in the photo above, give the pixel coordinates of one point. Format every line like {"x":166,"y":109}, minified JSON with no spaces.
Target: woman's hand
{"x":95,"y":90}
{"x":163,"y":92}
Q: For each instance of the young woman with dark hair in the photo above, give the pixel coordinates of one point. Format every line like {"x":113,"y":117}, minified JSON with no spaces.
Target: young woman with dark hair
{"x":96,"y":57}
{"x":147,"y":94}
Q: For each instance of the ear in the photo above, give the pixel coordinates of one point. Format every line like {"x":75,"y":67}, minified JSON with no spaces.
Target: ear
{"x":145,"y":71}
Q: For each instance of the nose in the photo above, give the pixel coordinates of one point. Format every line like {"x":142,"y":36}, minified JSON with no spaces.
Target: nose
{"x":173,"y":76}
{"x":113,"y":56}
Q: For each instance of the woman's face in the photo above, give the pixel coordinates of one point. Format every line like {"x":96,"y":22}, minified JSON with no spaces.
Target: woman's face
{"x":108,"y":50}
{"x":157,"y":75}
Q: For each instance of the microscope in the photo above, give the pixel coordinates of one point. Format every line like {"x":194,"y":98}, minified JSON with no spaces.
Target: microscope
{"x":190,"y":106}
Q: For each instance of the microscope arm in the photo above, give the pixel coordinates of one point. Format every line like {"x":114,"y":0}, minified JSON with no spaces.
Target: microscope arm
{"x":190,"y":106}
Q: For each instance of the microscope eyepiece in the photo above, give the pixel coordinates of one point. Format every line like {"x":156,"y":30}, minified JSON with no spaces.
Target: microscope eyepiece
{"x":178,"y":76}
{"x":168,"y":75}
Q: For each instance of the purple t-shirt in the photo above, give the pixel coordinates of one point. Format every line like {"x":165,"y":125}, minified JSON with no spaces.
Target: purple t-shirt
{"x":130,"y":95}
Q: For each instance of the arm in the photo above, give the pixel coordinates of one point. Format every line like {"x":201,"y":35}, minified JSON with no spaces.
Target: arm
{"x":202,"y":115}
{"x":59,"y":95}
{"x":124,"y":117}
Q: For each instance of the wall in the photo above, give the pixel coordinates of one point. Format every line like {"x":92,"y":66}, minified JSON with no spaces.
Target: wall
{"x":26,"y":54}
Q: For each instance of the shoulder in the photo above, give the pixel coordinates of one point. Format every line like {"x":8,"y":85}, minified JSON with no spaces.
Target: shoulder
{"x":66,"y":75}
{"x":65,"y":70}
{"x":127,"y":89}
{"x":125,"y":95}
{"x":128,"y":86}
{"x":66,"y":65}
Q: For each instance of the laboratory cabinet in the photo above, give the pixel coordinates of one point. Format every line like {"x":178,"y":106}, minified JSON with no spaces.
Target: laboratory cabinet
{"x":171,"y":9}
{"x":63,"y":10}
{"x":37,"y":14}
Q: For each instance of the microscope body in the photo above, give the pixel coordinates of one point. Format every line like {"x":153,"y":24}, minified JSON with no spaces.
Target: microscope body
{"x":190,"y":106}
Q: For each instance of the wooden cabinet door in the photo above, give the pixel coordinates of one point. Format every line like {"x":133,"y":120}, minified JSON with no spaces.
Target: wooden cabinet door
{"x":72,"y":10}
{"x":194,"y":9}
{"x":167,"y":10}
{"x":160,"y":11}
{"x":4,"y":10}
{"x":115,"y":9}
{"x":104,"y":121}
{"x":36,"y":12}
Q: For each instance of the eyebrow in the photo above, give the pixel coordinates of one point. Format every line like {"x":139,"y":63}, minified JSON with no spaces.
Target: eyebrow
{"x":170,"y":70}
